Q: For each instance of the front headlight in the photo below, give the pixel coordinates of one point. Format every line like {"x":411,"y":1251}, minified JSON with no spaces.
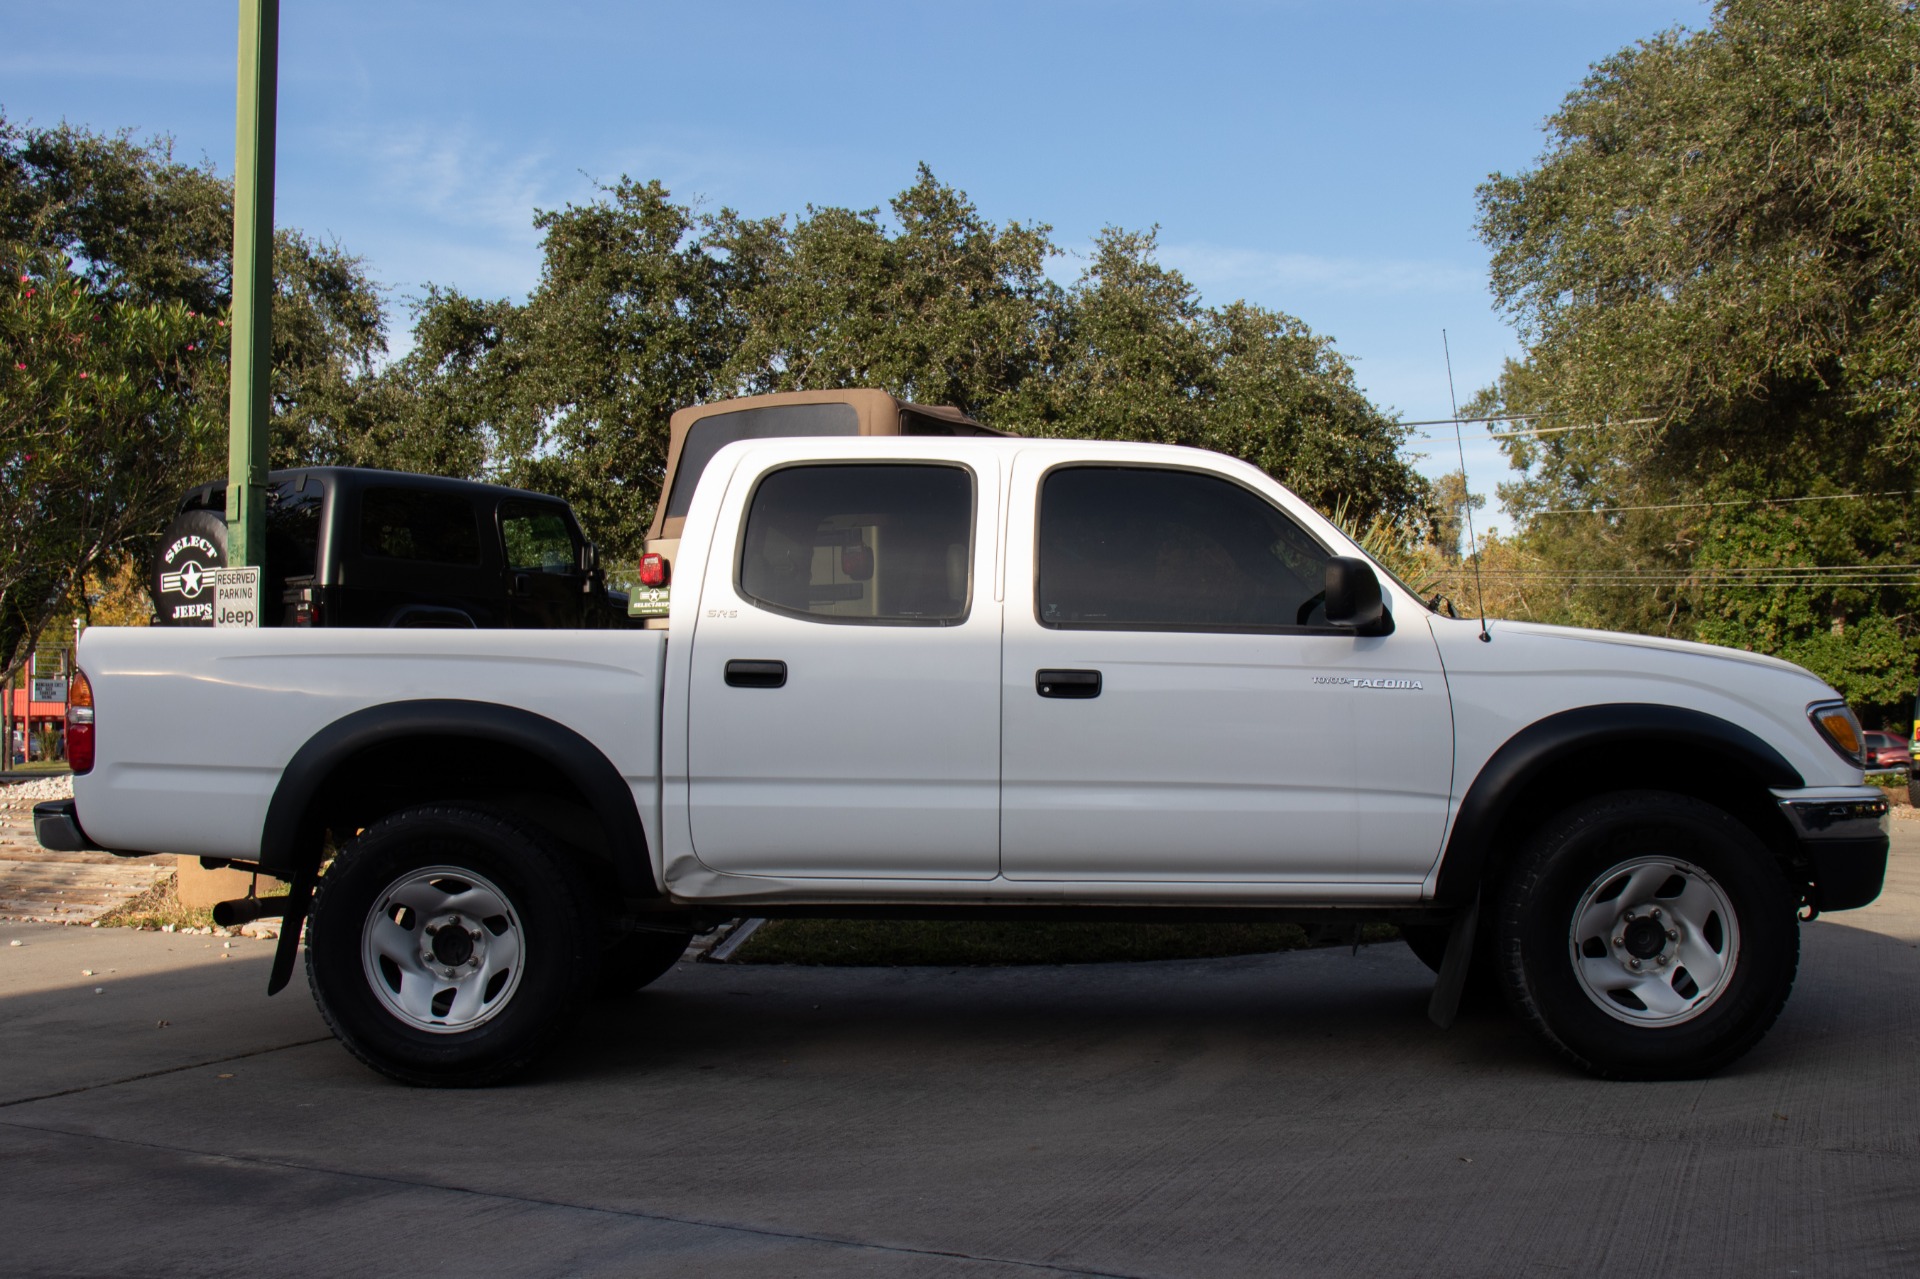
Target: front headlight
{"x":1842,"y":731}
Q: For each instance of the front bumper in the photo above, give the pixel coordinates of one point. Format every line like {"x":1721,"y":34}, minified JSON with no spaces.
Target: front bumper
{"x":1842,"y":832}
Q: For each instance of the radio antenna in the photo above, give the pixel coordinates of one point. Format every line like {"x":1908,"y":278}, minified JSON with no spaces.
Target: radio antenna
{"x":1466,"y":502}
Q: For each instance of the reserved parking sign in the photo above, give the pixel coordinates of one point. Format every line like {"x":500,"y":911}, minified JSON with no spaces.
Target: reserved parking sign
{"x":236,"y":597}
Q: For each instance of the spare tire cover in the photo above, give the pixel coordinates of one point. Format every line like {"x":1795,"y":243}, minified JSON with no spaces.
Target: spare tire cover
{"x":193,"y":546}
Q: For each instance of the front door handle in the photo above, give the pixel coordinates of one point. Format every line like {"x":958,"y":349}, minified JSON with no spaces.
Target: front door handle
{"x":1077,"y":684}
{"x":747,"y":674}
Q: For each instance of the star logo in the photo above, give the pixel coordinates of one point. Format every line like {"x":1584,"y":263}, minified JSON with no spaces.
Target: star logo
{"x":190,"y":579}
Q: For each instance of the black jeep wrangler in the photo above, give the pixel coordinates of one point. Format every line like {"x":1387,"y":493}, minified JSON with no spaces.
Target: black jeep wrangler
{"x":354,"y":547}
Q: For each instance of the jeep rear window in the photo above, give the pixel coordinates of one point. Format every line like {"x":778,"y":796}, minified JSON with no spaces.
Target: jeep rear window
{"x":711,"y":434}
{"x":293,"y":527}
{"x":413,"y":524}
{"x":537,"y":539}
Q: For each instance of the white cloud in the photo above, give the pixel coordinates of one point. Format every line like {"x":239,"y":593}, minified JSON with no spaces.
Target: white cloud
{"x":455,"y":178}
{"x":97,"y":66}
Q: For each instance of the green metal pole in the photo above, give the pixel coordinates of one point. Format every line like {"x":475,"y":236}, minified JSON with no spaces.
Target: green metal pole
{"x":249,"y":408}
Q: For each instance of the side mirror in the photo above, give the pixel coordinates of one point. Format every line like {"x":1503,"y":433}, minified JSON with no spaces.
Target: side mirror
{"x":589,"y":558}
{"x":1353,"y":597}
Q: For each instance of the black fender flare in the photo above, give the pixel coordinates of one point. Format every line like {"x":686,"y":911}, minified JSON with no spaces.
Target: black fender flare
{"x":1550,"y":741}
{"x":606,"y":792}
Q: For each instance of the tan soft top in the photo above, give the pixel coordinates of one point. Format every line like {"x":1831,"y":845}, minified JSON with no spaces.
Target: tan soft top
{"x":879,"y":414}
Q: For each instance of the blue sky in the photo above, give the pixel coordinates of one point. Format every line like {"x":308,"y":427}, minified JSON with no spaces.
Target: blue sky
{"x":1315,"y":156}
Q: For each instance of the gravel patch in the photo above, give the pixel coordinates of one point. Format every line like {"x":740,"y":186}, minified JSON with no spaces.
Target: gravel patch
{"x":17,"y":794}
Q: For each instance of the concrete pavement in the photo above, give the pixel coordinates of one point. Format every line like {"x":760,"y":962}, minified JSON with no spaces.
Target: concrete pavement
{"x":1273,"y":1115}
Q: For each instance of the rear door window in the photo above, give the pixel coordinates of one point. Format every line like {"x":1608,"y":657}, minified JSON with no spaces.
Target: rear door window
{"x":419,"y":525}
{"x":887,"y":544}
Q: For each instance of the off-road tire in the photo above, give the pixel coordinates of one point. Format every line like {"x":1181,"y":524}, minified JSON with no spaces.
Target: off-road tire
{"x":1554,"y":980}
{"x":540,"y":906}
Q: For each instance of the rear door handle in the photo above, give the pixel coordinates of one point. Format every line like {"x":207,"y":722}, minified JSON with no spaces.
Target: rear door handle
{"x":1080,"y":684}
{"x":746,"y":674}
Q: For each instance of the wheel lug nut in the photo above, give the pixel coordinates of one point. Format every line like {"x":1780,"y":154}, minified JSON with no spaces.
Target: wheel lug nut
{"x":1655,"y":912}
{"x":1619,"y":941}
{"x":1673,"y":934}
{"x":1633,"y":963}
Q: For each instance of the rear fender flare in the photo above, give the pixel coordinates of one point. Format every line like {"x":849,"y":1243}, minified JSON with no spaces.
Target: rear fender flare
{"x":282,"y":837}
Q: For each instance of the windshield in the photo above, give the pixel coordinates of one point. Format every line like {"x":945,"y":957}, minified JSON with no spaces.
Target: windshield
{"x":711,"y":434}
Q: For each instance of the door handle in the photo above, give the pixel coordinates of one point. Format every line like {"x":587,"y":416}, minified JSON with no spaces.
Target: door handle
{"x":746,"y":674}
{"x":1074,"y":684}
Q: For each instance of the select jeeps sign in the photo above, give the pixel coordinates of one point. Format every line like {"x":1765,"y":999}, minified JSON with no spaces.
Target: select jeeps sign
{"x":192,"y":550}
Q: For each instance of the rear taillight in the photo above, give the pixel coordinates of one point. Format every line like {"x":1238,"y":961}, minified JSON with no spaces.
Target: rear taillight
{"x":654,"y":570}
{"x":80,"y":724}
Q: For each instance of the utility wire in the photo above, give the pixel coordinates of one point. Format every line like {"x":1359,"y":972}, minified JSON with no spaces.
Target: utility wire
{"x":1453,"y":402}
{"x":1745,"y":501}
{"x":1508,"y":417}
{"x":1531,"y":431}
{"x":1600,"y":579}
{"x":1764,"y":569}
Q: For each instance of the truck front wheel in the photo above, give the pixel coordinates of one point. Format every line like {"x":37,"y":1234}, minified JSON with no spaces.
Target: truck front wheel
{"x":449,"y":945}
{"x":1647,"y":935}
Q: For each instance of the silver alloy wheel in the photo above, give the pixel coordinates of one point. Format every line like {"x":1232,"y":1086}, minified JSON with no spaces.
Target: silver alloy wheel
{"x":442,"y":949}
{"x":1655,"y":941}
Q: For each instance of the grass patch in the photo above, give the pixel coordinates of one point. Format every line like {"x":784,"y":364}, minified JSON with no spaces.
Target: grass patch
{"x":893,"y":943}
{"x":157,"y":907}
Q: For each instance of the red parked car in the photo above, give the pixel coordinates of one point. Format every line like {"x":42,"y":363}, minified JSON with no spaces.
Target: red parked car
{"x":1885,"y":751}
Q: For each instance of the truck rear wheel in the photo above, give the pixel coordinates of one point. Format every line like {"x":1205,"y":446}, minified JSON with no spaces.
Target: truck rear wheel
{"x":1648,"y":935}
{"x":450,"y":945}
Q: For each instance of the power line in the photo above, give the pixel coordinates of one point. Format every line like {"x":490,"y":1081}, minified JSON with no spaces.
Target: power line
{"x":1533,"y":431}
{"x":1745,"y":501}
{"x":1468,"y":421}
{"x":1766,"y":570}
{"x":1602,"y":580}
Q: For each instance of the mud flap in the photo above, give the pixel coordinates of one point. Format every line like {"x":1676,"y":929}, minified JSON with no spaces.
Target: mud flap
{"x":1452,"y":982}
{"x":299,"y":896}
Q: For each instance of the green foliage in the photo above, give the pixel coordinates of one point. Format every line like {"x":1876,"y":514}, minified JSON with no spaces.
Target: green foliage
{"x":113,"y":393}
{"x":1715,"y":257}
{"x":948,"y":309}
{"x":136,"y":225}
{"x":101,"y":411}
{"x":644,"y":307}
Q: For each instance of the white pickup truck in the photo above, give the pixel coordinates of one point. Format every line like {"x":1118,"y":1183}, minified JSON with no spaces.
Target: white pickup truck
{"x":950,"y":678}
